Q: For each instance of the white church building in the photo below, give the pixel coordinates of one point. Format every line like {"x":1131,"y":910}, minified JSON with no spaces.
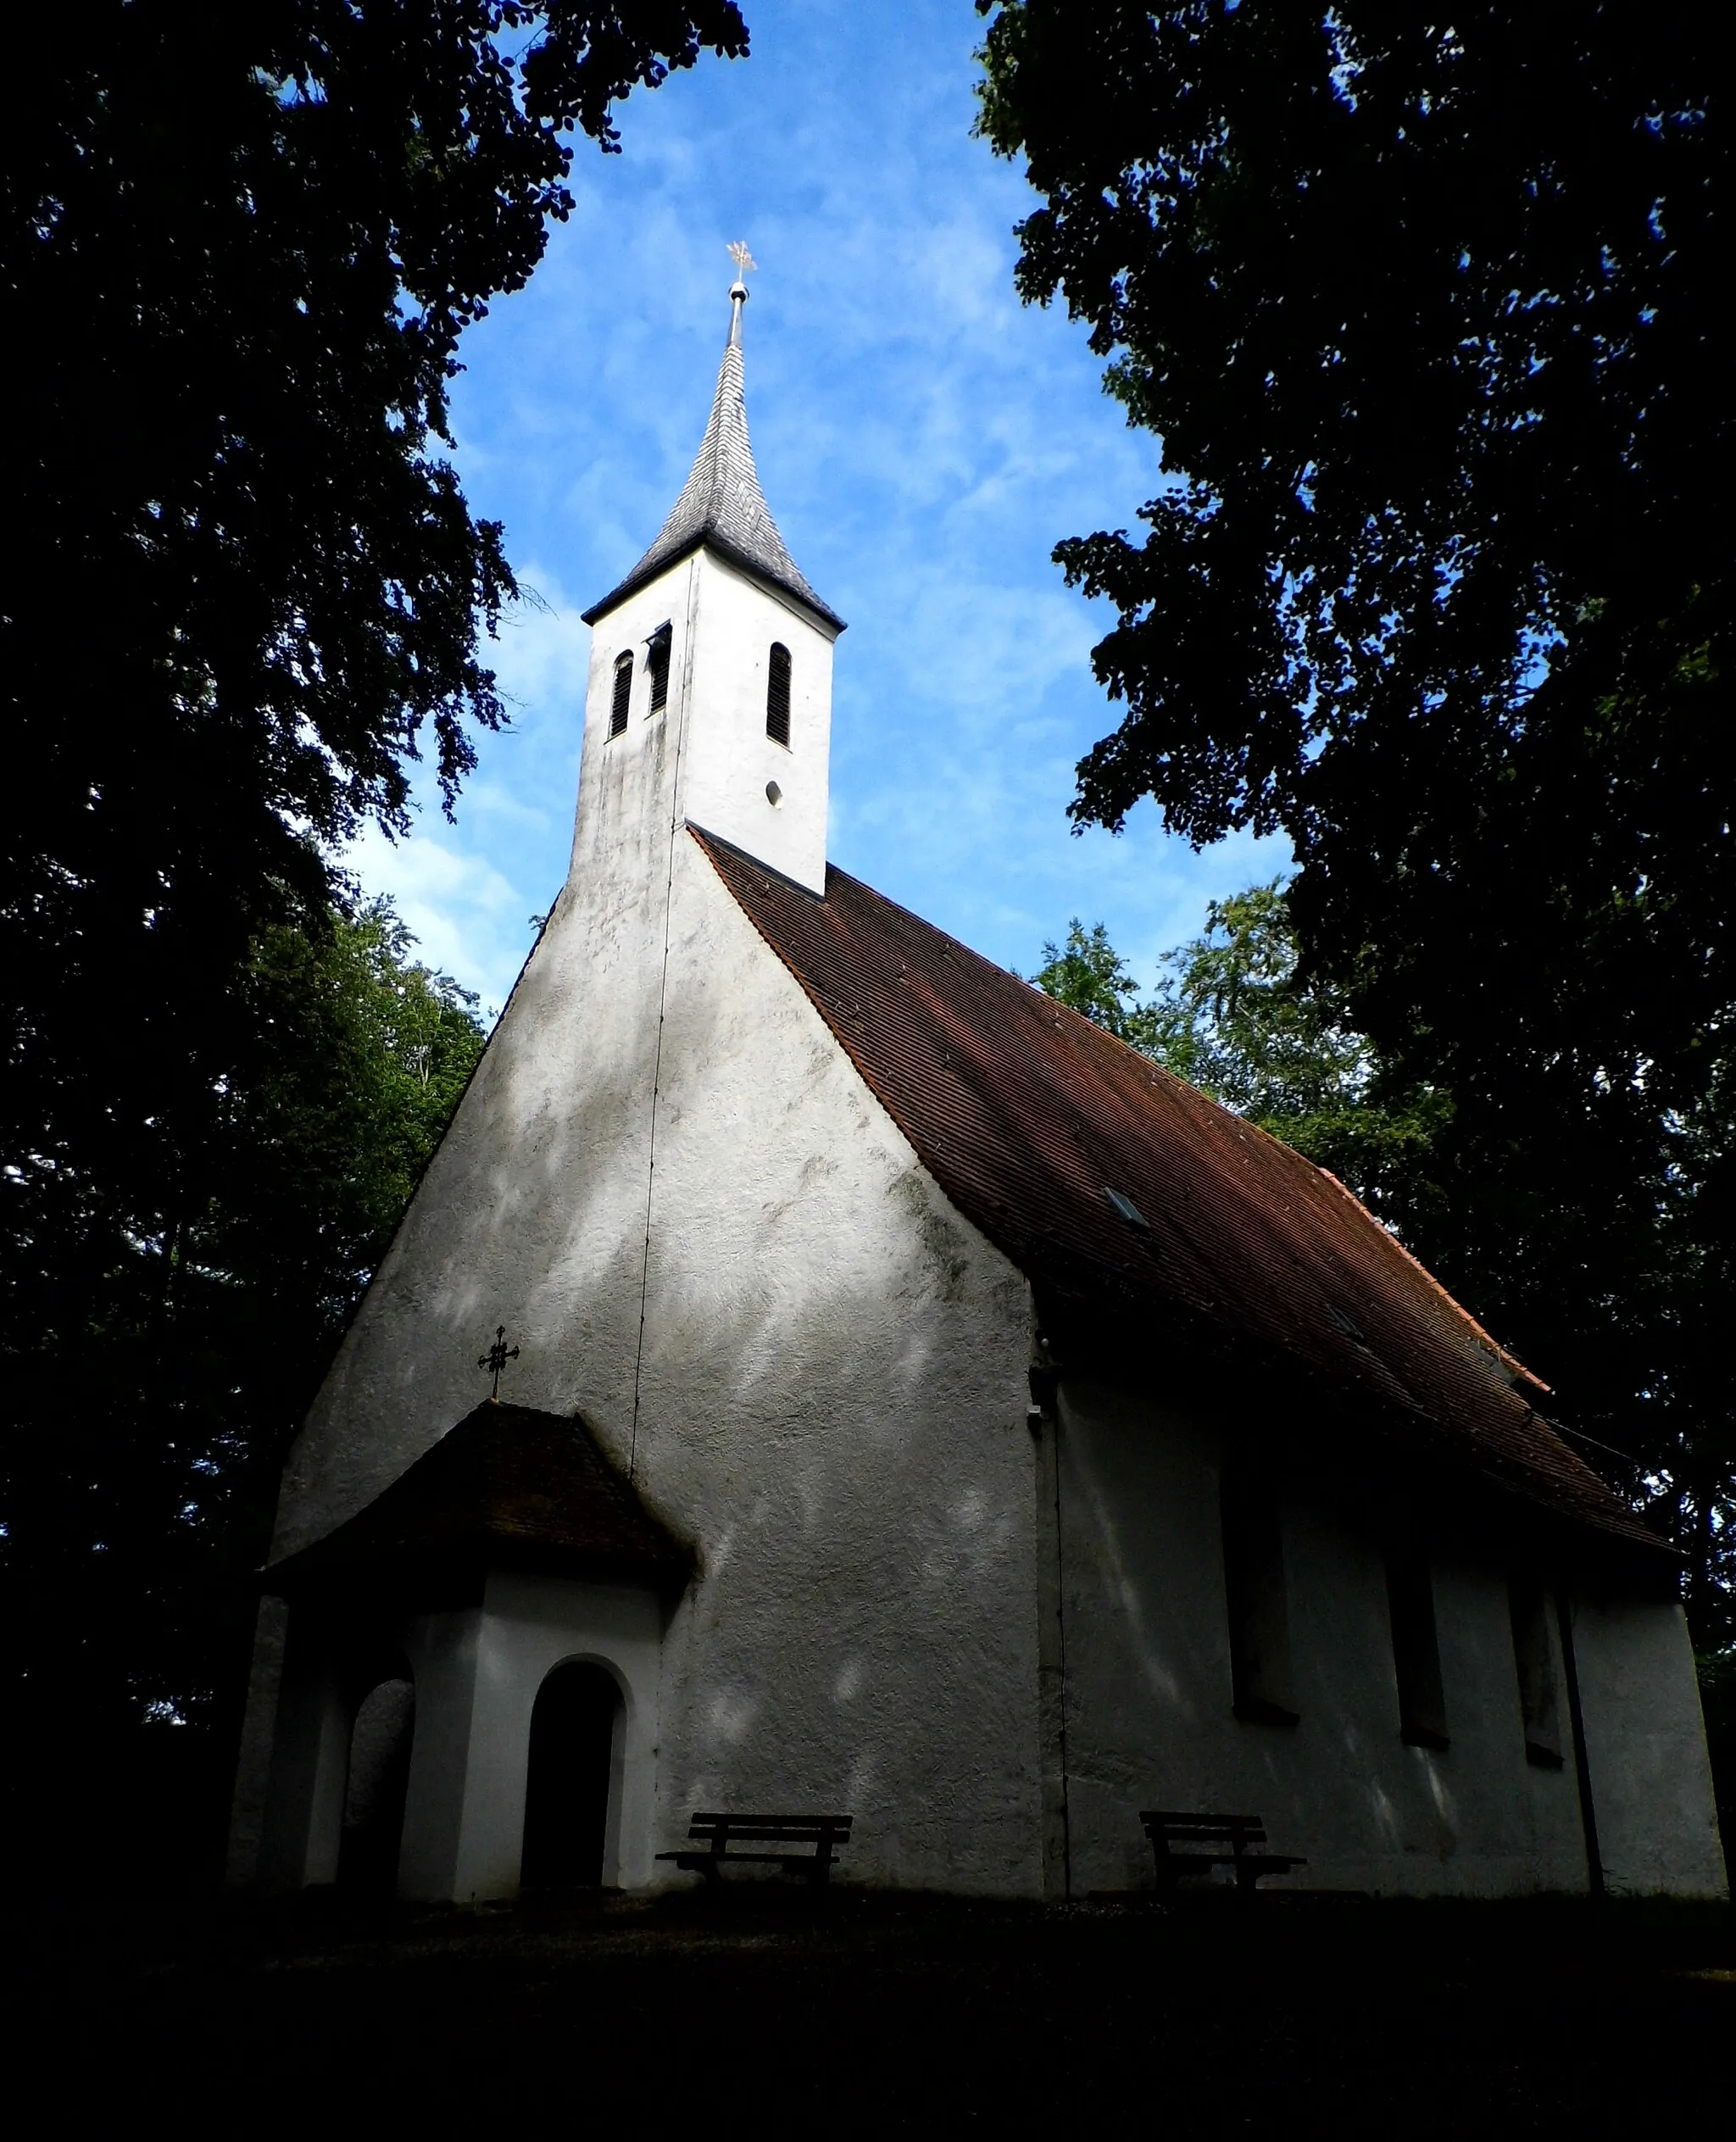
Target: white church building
{"x":912,"y":1404}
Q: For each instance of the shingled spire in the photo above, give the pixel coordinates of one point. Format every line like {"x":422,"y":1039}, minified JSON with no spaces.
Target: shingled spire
{"x":721,"y":503}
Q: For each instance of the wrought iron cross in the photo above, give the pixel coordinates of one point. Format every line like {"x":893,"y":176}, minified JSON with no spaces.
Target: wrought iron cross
{"x":744,"y":259}
{"x":499,"y":1354}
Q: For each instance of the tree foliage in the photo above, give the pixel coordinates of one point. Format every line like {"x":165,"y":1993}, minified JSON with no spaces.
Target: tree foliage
{"x":241,"y":593}
{"x":242,"y":589}
{"x":1425,"y":312}
{"x":166,"y":1377}
{"x":1091,"y":975}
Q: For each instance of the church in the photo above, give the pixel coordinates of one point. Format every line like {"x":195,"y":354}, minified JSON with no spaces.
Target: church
{"x":819,"y":1372}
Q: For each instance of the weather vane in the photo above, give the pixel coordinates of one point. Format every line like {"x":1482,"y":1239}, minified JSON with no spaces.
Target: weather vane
{"x":499,"y":1354}
{"x":744,"y":259}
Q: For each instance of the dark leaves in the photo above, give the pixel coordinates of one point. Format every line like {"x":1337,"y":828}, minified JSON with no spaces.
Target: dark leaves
{"x":242,"y":594}
{"x":1426,"y":316}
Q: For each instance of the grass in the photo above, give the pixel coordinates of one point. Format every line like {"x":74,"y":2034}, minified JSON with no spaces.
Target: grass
{"x":756,"y":2011}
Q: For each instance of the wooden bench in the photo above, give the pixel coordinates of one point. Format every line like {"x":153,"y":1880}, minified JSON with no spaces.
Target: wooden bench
{"x":721,"y":1834}
{"x":1188,"y":1845}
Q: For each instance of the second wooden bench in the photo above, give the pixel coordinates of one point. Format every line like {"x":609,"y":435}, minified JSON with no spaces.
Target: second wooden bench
{"x":1188,"y":1844}
{"x":809,"y":1843}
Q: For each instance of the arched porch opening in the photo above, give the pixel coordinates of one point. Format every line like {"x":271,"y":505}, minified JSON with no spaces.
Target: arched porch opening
{"x":572,"y":1787}
{"x":380,"y":1742}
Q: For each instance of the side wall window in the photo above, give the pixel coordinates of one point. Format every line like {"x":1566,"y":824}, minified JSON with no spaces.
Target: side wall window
{"x":657,"y":663}
{"x":1534,"y":1660}
{"x":1417,"y":1656}
{"x":1259,"y":1615}
{"x":777,"y":695}
{"x":623,"y":694}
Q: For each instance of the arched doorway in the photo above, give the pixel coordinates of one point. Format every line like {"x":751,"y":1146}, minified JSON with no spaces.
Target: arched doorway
{"x":379,"y":1777}
{"x":574,"y":1730}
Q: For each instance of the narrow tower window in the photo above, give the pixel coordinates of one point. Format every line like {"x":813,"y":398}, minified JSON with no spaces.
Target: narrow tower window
{"x":623,"y":694}
{"x":1260,"y":1618}
{"x":777,"y":695}
{"x":656,"y":662}
{"x":1417,"y":1656}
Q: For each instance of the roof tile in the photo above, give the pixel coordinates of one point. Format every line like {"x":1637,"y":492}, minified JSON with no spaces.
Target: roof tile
{"x":721,"y":503}
{"x":509,"y":1485}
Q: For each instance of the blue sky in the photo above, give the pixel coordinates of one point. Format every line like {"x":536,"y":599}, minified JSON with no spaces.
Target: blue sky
{"x":923,"y":441}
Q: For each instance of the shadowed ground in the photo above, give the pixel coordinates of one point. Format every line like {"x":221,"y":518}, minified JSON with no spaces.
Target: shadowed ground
{"x":869,"y":2013}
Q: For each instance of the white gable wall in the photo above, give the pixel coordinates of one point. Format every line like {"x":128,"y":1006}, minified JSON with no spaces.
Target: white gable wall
{"x":832,"y":1396}
{"x":563,"y":1091}
{"x":829,"y":1391}
{"x":730,"y":759}
{"x":1149,"y":1713}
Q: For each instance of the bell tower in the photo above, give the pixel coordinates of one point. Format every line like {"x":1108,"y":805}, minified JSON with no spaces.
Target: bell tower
{"x":709,"y":698}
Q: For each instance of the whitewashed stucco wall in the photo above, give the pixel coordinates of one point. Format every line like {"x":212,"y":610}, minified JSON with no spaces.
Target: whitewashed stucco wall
{"x":816,"y":1370}
{"x":858,"y":1467}
{"x":729,"y":758}
{"x":829,"y":1380}
{"x":1150,"y":1722}
{"x":1657,"y":1819}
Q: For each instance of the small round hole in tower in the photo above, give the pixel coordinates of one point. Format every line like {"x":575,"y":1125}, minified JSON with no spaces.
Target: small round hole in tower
{"x":774,"y":794}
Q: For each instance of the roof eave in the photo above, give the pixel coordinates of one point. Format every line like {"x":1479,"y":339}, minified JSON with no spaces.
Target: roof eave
{"x":821,"y":613}
{"x":463,"y":1563}
{"x":1093,"y":1338}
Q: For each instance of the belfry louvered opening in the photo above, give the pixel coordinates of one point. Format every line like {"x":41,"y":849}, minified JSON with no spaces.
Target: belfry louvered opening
{"x":623,"y":694}
{"x":657,"y":664}
{"x":777,"y":695}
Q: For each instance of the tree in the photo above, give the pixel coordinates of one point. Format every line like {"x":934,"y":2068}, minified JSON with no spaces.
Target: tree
{"x":138,"y":1482}
{"x":1091,"y":975}
{"x":1425,"y":315}
{"x":241,"y":593}
{"x":243,"y":590}
{"x":1231,"y":1016}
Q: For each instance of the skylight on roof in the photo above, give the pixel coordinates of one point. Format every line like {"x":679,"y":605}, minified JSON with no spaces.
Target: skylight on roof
{"x":1129,"y":1211}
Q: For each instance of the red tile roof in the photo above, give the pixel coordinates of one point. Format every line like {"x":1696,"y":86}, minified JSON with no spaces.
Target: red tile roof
{"x":509,"y":1487}
{"x":1028,"y":1116}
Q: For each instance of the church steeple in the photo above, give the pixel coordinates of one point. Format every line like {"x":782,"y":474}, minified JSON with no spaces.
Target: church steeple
{"x":721,"y":502}
{"x":709,"y":698}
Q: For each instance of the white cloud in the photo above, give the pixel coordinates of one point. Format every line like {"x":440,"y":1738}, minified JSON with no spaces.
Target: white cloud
{"x":470,"y":920}
{"x":544,"y":648}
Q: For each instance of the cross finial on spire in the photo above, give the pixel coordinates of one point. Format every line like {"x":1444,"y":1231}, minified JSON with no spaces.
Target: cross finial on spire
{"x":721,"y":502}
{"x":738,"y":289}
